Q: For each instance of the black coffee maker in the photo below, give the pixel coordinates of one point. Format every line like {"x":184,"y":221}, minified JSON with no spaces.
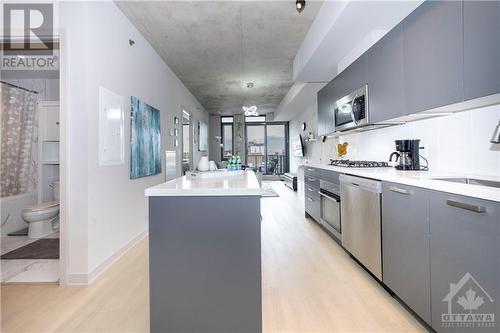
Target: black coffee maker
{"x":408,"y":154}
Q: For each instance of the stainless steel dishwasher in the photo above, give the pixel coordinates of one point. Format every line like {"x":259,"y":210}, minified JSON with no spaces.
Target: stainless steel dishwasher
{"x":360,"y":216}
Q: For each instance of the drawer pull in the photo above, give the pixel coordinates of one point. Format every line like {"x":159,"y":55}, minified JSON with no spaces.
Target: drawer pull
{"x":310,"y":199}
{"x":311,"y":179}
{"x":466,"y":206}
{"x":309,"y":169}
{"x":399,"y":190}
{"x":310,"y":189}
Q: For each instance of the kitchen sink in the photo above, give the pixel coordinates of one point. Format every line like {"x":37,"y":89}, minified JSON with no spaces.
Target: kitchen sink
{"x":472,"y":181}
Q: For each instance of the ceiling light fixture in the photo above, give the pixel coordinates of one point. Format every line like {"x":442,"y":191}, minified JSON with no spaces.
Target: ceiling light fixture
{"x":250,"y":111}
{"x":300,"y":5}
{"x":250,"y":85}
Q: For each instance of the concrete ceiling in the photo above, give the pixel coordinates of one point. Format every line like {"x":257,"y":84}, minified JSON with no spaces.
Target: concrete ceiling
{"x":216,"y":47}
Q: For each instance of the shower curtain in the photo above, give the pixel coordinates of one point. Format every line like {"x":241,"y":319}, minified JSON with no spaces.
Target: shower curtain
{"x":18,"y":148}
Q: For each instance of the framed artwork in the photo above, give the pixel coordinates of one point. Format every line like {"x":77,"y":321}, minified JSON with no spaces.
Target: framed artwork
{"x":145,"y":140}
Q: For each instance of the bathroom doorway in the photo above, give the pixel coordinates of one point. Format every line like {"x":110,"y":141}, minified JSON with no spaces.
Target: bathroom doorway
{"x":187,"y":146}
{"x":30,"y":175}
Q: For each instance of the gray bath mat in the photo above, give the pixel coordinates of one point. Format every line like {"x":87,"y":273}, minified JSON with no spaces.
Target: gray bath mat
{"x":268,"y":191}
{"x":47,"y":248}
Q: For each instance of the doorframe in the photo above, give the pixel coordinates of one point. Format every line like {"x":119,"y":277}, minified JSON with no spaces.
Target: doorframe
{"x":64,"y":170}
{"x":287,"y":141}
{"x":191,"y":137}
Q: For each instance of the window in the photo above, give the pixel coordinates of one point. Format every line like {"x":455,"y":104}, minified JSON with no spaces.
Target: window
{"x":267,"y":146}
{"x":255,"y":119}
{"x":227,"y":141}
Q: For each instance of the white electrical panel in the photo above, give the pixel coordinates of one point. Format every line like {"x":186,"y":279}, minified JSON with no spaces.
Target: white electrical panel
{"x":111,"y":128}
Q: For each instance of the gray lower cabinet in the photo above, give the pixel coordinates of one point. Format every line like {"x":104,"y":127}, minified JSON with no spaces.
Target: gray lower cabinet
{"x":325,"y":110}
{"x":465,"y":261}
{"x":433,"y":56}
{"x":205,"y":264}
{"x":312,"y":172}
{"x":330,"y":176}
{"x":405,"y":249}
{"x":312,"y":204}
{"x":481,"y":48}
{"x":385,"y":77}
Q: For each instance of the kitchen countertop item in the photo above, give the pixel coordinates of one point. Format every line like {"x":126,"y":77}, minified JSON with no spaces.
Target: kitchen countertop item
{"x":359,"y":164}
{"x":423,"y":179}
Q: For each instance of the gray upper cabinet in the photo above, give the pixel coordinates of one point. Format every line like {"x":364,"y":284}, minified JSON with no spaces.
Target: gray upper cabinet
{"x":433,"y":56}
{"x":465,"y":258}
{"x":385,"y":77}
{"x":481,"y":48}
{"x":325,"y":110}
{"x":443,"y":53}
{"x":351,"y":78}
{"x":405,"y":234}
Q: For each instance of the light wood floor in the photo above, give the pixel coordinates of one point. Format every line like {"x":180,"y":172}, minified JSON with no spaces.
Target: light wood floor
{"x":309,"y":285}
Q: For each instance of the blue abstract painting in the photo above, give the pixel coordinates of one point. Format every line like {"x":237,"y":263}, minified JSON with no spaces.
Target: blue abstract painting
{"x":145,"y":140}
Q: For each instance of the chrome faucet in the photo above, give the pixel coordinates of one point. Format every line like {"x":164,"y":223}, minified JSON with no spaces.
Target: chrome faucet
{"x":496,"y":134}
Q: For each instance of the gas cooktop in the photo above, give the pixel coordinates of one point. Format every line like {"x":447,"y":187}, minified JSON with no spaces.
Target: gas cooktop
{"x":359,"y":164}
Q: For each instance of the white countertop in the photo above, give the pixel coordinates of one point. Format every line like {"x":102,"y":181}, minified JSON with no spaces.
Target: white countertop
{"x":245,"y":184}
{"x":423,"y":179}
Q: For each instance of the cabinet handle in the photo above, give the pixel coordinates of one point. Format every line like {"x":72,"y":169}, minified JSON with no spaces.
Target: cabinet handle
{"x":466,"y":206}
{"x":309,"y":169}
{"x":311,"y":179}
{"x":310,"y":199}
{"x":399,"y":190}
{"x":310,"y":189}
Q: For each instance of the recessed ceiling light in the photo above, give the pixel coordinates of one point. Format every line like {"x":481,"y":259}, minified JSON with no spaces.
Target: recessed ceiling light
{"x":250,"y":85}
{"x":300,"y":5}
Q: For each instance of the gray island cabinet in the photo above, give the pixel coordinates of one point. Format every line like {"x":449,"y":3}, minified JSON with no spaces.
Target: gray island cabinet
{"x":205,"y":255}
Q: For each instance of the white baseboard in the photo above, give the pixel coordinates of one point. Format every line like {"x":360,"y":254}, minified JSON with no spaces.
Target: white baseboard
{"x":87,"y":279}
{"x":75,"y":280}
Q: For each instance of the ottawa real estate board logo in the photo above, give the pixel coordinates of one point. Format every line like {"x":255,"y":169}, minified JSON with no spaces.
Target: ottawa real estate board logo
{"x":28,"y":37}
{"x":469,"y":305}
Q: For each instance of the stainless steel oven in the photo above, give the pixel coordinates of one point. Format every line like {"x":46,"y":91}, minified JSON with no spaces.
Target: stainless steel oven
{"x":351,"y":111}
{"x":330,"y":208}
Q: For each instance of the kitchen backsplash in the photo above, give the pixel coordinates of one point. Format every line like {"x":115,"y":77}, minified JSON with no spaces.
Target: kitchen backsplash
{"x":458,"y":143}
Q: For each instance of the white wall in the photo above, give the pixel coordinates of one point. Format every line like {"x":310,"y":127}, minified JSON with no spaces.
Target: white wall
{"x":456,"y":143}
{"x":312,"y":149}
{"x":107,"y":209}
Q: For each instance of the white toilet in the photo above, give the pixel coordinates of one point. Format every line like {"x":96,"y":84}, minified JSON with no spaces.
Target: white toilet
{"x":39,"y":217}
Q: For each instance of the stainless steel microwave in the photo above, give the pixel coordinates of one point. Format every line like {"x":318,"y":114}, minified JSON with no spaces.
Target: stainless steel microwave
{"x":351,"y":111}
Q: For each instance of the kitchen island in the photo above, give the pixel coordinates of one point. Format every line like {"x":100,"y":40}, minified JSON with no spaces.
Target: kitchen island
{"x":205,"y":255}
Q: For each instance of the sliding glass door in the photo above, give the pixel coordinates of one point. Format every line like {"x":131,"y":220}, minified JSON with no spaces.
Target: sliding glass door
{"x":256,"y":143}
{"x":276,"y":151}
{"x":267,"y":147}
